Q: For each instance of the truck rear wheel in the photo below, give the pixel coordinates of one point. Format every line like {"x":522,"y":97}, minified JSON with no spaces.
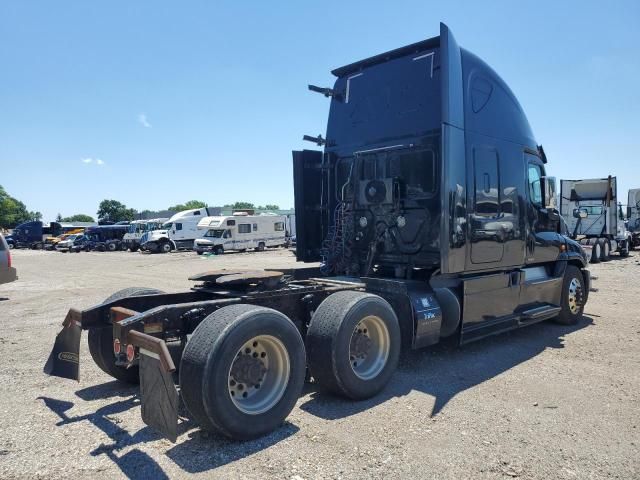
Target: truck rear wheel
{"x":112,"y":246}
{"x":243,"y":371}
{"x":353,"y":344}
{"x":606,"y":250}
{"x":260,"y":247}
{"x":101,"y":341}
{"x":573,"y":295}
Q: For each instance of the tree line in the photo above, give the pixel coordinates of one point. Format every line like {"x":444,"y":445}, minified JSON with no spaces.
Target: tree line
{"x":13,"y":211}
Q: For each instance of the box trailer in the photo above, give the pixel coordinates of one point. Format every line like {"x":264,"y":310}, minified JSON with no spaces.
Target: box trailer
{"x":433,"y":217}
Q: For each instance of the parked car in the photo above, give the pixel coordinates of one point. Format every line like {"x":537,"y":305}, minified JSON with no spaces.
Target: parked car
{"x":7,"y":272}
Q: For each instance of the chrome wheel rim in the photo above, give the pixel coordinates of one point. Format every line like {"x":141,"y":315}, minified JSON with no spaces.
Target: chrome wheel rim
{"x":575,"y":292}
{"x":166,"y":248}
{"x":369,"y":347}
{"x":259,"y":375}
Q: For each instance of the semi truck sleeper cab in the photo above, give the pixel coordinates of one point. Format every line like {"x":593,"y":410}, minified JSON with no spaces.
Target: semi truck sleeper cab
{"x":431,"y":214}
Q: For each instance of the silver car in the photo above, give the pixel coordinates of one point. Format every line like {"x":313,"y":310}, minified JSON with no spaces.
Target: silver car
{"x":7,"y":272}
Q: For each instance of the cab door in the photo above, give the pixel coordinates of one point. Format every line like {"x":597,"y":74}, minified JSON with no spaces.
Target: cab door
{"x":543,"y":240}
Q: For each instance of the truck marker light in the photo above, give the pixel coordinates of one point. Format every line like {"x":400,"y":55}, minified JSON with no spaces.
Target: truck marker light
{"x":116,"y":346}
{"x":131,"y":353}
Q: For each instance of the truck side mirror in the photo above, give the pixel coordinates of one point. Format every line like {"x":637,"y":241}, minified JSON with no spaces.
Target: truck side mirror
{"x":549,"y":189}
{"x":580,"y":213}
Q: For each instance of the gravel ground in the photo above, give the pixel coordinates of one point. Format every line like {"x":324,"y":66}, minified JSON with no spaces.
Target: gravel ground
{"x":544,"y":402}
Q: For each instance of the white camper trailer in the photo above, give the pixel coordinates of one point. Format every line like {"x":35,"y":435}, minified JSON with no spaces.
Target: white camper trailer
{"x":240,"y":232}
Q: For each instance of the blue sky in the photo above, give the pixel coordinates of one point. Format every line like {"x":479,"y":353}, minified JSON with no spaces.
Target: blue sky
{"x":156,"y":103}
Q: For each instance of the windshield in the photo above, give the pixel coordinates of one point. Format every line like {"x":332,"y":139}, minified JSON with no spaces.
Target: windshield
{"x":167,"y":225}
{"x":151,"y":226}
{"x":214,"y":233}
{"x":133,"y":228}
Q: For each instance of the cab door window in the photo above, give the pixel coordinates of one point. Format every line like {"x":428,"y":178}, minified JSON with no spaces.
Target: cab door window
{"x":534,"y":174}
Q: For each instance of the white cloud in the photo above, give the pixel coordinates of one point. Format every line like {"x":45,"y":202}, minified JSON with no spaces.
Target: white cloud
{"x":89,"y":160}
{"x":142,"y":120}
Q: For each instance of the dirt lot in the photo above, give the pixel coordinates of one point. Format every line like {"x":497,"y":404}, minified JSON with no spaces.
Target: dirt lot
{"x":544,"y":402}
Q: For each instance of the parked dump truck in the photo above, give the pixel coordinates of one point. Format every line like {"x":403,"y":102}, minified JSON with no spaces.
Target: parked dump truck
{"x":590,"y":209}
{"x":633,"y":216}
{"x":137,"y":228}
{"x":434,"y":219}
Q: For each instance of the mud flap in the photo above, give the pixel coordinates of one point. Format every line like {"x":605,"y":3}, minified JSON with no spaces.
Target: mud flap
{"x":65,"y":356}
{"x":158,"y":395}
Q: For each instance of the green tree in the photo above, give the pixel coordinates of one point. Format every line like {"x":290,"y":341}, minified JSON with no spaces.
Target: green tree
{"x":12,"y":211}
{"x":271,"y":207}
{"x":190,"y":205}
{"x":240,"y":205}
{"x":79,"y":217}
{"x":59,"y":217}
{"x":115,"y":211}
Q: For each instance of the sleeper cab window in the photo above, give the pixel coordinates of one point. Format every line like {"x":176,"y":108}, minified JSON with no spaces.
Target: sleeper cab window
{"x":197,"y":212}
{"x":244,"y":228}
{"x":178,"y":226}
{"x":231,"y":223}
{"x":278,"y":226}
{"x":255,"y":227}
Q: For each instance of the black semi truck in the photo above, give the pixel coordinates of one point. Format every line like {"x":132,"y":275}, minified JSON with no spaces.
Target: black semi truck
{"x":432,"y":216}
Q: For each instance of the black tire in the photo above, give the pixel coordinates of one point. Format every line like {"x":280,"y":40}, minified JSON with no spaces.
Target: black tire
{"x":605,"y":254}
{"x":596,"y":252}
{"x":112,"y":246}
{"x":218,"y":250}
{"x":199,"y":252}
{"x":329,"y":340}
{"x":134,"y":248}
{"x":101,"y":341}
{"x":207,"y":361}
{"x":567,"y":316}
{"x":164,"y":247}
{"x":260,"y":247}
{"x":624,"y":252}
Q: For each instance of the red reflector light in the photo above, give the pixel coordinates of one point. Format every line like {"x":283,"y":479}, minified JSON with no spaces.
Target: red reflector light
{"x":131,"y":353}
{"x":116,"y":346}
